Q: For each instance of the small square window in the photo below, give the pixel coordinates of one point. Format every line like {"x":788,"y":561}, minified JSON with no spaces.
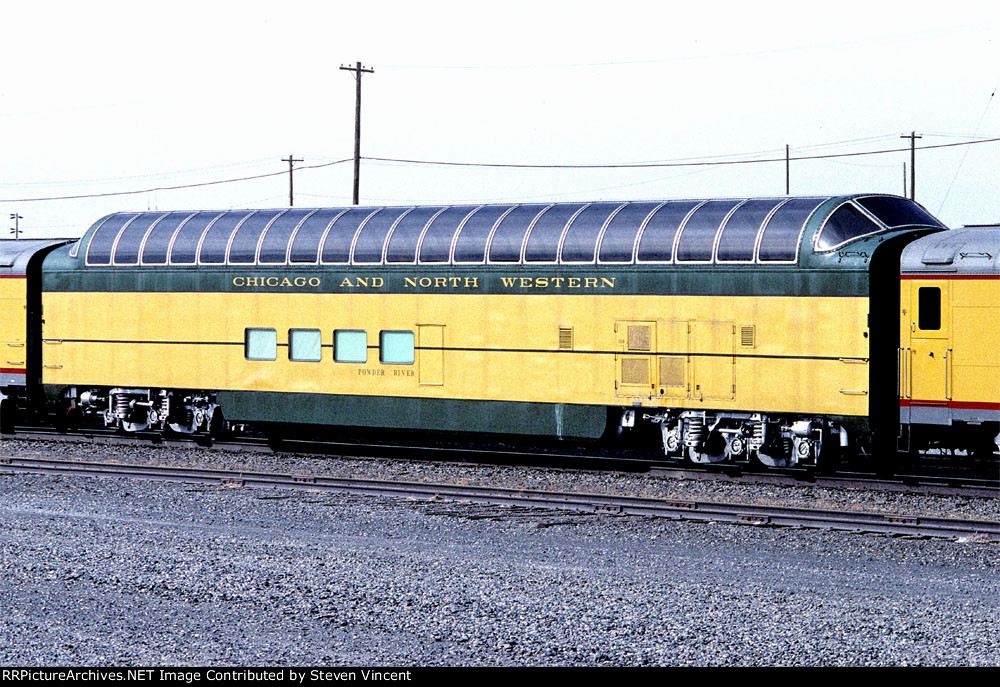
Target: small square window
{"x":305,"y":345}
{"x":350,"y":346}
{"x":929,"y":304}
{"x":396,"y":348}
{"x":261,"y":344}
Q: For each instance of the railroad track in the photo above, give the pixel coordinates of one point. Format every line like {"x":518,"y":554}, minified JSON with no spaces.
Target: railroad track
{"x":908,"y":483}
{"x":691,"y":510}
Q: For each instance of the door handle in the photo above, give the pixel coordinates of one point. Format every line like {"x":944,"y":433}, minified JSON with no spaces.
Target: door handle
{"x":908,"y":378}
{"x":899,"y":372}
{"x":947,"y":372}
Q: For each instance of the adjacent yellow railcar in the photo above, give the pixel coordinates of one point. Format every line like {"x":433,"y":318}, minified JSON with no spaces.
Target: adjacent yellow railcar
{"x":20,"y":324}
{"x":949,"y":369}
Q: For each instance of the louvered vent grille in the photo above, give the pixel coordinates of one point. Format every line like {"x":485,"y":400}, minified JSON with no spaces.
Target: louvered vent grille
{"x":635,"y":371}
{"x":748,"y":336}
{"x":638,"y":338}
{"x":565,"y":338}
{"x":671,"y":371}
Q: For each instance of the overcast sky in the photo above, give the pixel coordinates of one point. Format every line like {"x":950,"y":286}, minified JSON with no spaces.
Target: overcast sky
{"x":100,"y":97}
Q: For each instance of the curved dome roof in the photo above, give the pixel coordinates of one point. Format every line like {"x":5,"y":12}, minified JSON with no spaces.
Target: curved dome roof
{"x":742,"y":230}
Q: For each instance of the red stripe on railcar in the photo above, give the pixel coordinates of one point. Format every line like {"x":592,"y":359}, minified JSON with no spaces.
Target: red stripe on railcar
{"x":950,"y":277}
{"x":958,"y":405}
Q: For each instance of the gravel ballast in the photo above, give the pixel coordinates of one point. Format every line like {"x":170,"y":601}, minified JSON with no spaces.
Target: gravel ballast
{"x":118,"y":571}
{"x":590,"y":481}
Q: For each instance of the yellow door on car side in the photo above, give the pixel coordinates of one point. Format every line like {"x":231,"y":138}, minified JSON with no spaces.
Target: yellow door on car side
{"x":431,"y":361}
{"x":635,"y":374}
{"x":929,"y":364}
{"x":713,"y":360}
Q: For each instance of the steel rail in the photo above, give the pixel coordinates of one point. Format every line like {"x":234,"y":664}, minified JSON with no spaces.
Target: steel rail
{"x":909,"y":483}
{"x":693,"y":510}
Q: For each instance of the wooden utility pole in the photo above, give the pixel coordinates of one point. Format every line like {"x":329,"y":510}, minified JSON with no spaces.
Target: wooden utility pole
{"x":788,"y":171}
{"x":291,"y":160}
{"x":16,"y":229}
{"x":913,"y":162}
{"x":358,"y":71}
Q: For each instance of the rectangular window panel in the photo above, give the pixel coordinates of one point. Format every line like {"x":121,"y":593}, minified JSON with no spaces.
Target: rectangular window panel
{"x":261,"y":344}
{"x":543,"y":241}
{"x":657,"y":241}
{"x":305,"y":243}
{"x":436,"y":244}
{"x":580,"y":241}
{"x":337,"y":246}
{"x":470,"y":246}
{"x":371,"y":239}
{"x":698,"y":235}
{"x":185,"y":246}
{"x":102,"y":240}
{"x":929,"y":302}
{"x":274,"y":245}
{"x":304,"y":345}
{"x":618,"y":241}
{"x":898,"y":212}
{"x":844,"y":225}
{"x":213,"y":245}
{"x":243,"y":248}
{"x":780,"y":238}
{"x":350,"y":346}
{"x":154,"y":251}
{"x":127,"y":248}
{"x":402,"y":245}
{"x":739,"y":236}
{"x":507,"y":239}
{"x":396,"y":348}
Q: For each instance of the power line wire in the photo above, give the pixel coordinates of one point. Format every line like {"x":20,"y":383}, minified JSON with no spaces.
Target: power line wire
{"x":628,"y":165}
{"x":546,"y":196}
{"x":108,"y":180}
{"x":169,"y":188}
{"x":640,"y":165}
{"x":989,"y":101}
{"x":258,"y":161}
{"x":867,"y":139}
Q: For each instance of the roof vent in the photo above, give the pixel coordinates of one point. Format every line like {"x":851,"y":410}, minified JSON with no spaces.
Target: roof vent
{"x":941,"y":253}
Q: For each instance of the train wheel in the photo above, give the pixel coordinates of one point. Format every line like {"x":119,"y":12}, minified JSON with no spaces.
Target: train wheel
{"x":714,"y":450}
{"x":983,"y":451}
{"x":7,"y":409}
{"x":828,"y":460}
{"x":218,"y":428}
{"x":778,"y":455}
{"x":885,"y":455}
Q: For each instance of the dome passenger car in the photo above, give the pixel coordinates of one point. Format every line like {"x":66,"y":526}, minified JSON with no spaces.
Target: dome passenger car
{"x":739,"y":328}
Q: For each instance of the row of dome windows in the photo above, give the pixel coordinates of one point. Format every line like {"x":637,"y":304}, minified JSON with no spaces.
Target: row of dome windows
{"x":687,"y":231}
{"x":575,"y":233}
